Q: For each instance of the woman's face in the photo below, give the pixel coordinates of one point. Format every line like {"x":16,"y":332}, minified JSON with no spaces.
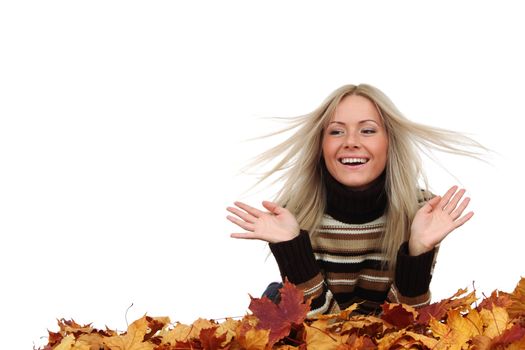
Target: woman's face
{"x":355,"y":143}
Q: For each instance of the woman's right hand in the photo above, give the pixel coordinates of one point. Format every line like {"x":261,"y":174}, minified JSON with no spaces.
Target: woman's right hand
{"x":274,"y":226}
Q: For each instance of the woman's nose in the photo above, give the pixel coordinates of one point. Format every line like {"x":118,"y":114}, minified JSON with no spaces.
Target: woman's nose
{"x":352,"y":141}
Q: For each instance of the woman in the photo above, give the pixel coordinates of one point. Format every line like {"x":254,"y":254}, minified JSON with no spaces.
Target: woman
{"x":351,"y":222}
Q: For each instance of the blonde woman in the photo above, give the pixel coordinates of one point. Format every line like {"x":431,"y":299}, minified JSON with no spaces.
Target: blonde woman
{"x":352,"y":222}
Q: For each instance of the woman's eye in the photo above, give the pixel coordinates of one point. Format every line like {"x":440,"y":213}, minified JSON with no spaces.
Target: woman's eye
{"x":335,"y":132}
{"x":368,"y":131}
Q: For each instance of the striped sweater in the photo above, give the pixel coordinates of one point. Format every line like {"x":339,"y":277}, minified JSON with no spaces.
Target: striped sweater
{"x":342,"y":263}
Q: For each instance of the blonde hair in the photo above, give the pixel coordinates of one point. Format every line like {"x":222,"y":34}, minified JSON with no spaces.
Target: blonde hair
{"x":298,"y":164}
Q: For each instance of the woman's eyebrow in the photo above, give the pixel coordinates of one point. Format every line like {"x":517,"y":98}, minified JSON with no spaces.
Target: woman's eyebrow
{"x":360,"y":122}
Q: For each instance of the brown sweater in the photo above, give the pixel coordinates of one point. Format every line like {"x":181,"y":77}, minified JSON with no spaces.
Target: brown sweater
{"x":343,"y":263}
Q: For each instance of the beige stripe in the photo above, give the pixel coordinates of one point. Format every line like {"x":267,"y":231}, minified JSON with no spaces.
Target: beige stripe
{"x":349,"y":259}
{"x":346,"y":247}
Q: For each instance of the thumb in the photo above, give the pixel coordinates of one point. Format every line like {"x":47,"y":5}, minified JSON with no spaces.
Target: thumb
{"x":272,"y":207}
{"x":431,"y":204}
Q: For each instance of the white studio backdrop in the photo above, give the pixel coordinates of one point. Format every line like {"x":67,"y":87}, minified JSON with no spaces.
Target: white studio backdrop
{"x":123,"y":128}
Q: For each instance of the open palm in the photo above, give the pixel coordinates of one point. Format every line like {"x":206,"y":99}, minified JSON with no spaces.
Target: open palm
{"x":275,"y":225}
{"x":436,"y":219}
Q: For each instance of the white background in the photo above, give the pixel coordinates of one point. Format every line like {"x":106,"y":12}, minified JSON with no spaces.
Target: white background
{"x":122,"y":128}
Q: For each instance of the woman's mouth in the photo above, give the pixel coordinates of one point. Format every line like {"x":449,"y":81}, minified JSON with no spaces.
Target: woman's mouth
{"x":353,"y":161}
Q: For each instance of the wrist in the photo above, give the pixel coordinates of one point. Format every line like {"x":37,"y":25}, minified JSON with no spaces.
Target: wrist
{"x":417,"y":248}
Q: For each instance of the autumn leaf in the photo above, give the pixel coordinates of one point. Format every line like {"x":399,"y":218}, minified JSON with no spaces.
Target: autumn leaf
{"x":278,"y":318}
{"x":495,"y":299}
{"x":133,"y":339}
{"x":209,"y":340}
{"x":509,"y":336}
{"x":255,"y":339}
{"x":318,"y":338}
{"x":355,"y":342}
{"x":69,"y":343}
{"x":517,"y":308}
{"x":495,"y":321}
{"x":398,"y":315}
{"x":439,"y":309}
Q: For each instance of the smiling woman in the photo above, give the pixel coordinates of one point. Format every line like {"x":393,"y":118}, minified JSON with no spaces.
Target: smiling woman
{"x":354,"y":221}
{"x":355,"y":143}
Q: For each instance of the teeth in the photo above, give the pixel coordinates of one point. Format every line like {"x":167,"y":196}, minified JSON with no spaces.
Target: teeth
{"x":353,"y":160}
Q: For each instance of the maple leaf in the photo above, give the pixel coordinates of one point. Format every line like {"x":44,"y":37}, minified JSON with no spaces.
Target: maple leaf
{"x":355,"y":342}
{"x":496,"y":299}
{"x":319,"y":338}
{"x":178,"y":333}
{"x":278,"y":318}
{"x":209,"y":340}
{"x":439,"y":309}
{"x":509,"y":336}
{"x":398,"y":315}
{"x":517,"y":308}
{"x":495,"y":321}
{"x":133,"y":339}
{"x":254,"y":339}
{"x":69,"y":343}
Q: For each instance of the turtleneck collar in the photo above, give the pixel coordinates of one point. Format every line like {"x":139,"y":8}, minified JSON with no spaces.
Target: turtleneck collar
{"x":354,"y":206}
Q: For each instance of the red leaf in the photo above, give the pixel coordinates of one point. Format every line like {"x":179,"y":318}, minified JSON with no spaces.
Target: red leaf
{"x":495,"y":299}
{"x":278,"y":318}
{"x":208,"y":339}
{"x":397,"y":315}
{"x":509,"y":336}
{"x":435,"y":310}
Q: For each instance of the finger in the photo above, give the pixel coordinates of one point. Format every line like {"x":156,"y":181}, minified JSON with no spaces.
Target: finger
{"x":460,"y":209}
{"x":459,"y":222}
{"x":251,"y":210}
{"x":447,"y":196}
{"x":452,"y":204}
{"x":242,"y":224}
{"x":245,"y":235}
{"x":243,"y":215}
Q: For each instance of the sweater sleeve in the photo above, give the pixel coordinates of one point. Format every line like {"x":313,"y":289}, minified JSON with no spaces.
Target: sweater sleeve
{"x":412,"y":277}
{"x":297,"y":263}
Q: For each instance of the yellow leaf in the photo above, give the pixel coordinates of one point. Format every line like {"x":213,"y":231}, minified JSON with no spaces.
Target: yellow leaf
{"x":447,"y":336}
{"x":69,"y":343}
{"x":95,"y":340}
{"x":179,"y":333}
{"x":133,"y":338}
{"x":316,"y":338}
{"x":254,"y":339}
{"x":229,"y":328}
{"x":518,"y":300}
{"x":440,"y":330}
{"x":464,"y":329}
{"x":199,"y":325}
{"x":495,"y":321}
{"x":427,"y":341}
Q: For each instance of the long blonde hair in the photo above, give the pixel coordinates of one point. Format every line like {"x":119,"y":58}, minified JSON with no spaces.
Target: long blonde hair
{"x":298,"y":164}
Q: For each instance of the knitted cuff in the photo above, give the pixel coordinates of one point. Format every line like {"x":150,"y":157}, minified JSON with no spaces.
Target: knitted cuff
{"x":413,"y":273}
{"x":296,"y":259}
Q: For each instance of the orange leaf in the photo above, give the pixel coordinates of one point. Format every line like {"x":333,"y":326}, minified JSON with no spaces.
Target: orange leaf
{"x":517,"y":308}
{"x":133,"y":339}
{"x":209,"y":340}
{"x":254,"y":339}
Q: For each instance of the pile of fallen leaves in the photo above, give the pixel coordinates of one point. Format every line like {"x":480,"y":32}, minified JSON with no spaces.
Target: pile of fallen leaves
{"x":459,"y":322}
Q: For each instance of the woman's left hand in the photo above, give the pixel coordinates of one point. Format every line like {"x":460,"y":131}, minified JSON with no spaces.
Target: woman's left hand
{"x":436,"y":219}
